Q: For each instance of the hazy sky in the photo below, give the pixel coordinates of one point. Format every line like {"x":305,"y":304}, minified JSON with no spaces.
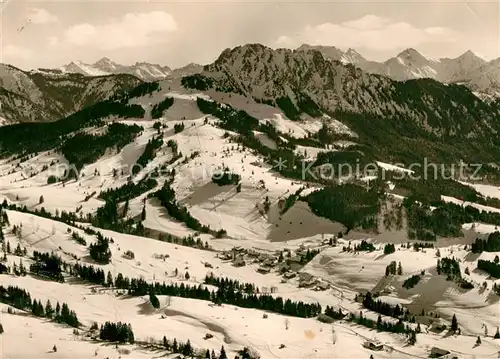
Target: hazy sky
{"x":178,"y":32}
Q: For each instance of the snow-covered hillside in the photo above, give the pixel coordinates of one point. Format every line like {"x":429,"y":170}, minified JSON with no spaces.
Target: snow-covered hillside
{"x":289,"y":253}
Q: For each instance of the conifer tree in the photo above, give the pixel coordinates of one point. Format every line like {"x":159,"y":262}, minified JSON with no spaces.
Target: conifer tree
{"x":222,"y":353}
{"x":454,"y":323}
{"x":109,"y":280}
{"x":48,"y":309}
{"x":154,"y":300}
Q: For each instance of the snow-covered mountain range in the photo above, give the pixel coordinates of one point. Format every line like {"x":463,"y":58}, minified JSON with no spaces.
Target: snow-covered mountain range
{"x":468,"y":68}
{"x":143,"y":70}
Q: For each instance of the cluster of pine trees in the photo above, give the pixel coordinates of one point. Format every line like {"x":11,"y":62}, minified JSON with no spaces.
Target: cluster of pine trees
{"x":449,"y":267}
{"x":332,"y":313}
{"x":446,"y":220}
{"x":179,"y":127}
{"x":348,"y":204}
{"x":243,"y":295}
{"x":92,"y":274}
{"x":21,"y":299}
{"x":491,"y":244}
{"x":419,"y":245}
{"x":117,"y":332}
{"x":383,"y":326}
{"x":138,"y":91}
{"x":148,"y":155}
{"x":158,"y":109}
{"x":411,"y":281}
{"x":47,"y":265}
{"x":225,"y":177}
{"x":84,"y":148}
{"x":69,"y":218}
{"x":100,"y":251}
{"x":364,"y":246}
{"x":385,"y":308}
{"x":309,"y":255}
{"x":230,"y":284}
{"x":188,"y":241}
{"x":394,"y":268}
{"x":78,"y":238}
{"x":389,"y":248}
{"x":492,"y":268}
{"x":48,"y":135}
{"x":166,"y":195}
{"x":228,"y":292}
{"x":197,"y":81}
{"x":128,"y":190}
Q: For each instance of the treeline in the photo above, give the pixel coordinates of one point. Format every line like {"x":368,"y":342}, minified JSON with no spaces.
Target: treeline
{"x":129,"y":190}
{"x":290,"y":201}
{"x":197,"y":81}
{"x":228,"y":284}
{"x":225,"y":177}
{"x":418,"y":245}
{"x":21,"y":299}
{"x":364,"y":246}
{"x":140,"y":90}
{"x":385,"y":308}
{"x":166,"y":196}
{"x":83,"y":148}
{"x":383,"y":326}
{"x":229,"y":293}
{"x":187,"y":241}
{"x":69,"y":218}
{"x":148,"y":155}
{"x":158,"y":109}
{"x":492,"y":268}
{"x":445,"y":220}
{"x":24,"y":138}
{"x":491,"y":244}
{"x":47,"y":265}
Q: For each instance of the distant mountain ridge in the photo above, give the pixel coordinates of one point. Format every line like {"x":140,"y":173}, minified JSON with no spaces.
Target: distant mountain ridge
{"x":47,"y":95}
{"x":478,"y":74}
{"x":398,"y":118}
{"x":143,"y":70}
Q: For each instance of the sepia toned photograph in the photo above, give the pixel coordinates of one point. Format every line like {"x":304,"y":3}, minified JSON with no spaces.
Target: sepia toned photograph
{"x":236,"y":179}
